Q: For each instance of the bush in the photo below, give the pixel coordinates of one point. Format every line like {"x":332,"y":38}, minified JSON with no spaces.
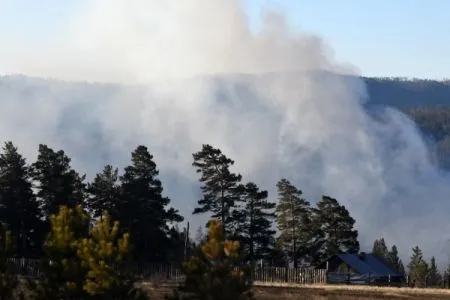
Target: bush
{"x":216,"y":273}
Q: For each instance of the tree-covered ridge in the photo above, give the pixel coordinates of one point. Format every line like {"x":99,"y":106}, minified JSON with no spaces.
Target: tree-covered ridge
{"x":434,"y":123}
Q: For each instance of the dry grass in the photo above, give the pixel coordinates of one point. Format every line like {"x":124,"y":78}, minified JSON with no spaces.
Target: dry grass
{"x":295,"y":291}
{"x":362,"y":288}
{"x":283,"y":291}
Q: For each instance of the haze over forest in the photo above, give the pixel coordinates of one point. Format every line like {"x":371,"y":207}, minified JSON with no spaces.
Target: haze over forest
{"x":289,"y":116}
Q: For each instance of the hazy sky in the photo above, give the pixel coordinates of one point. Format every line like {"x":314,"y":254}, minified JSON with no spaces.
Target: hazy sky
{"x":382,"y":38}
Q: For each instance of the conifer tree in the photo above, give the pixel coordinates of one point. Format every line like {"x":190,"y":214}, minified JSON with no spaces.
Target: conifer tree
{"x":418,"y":268}
{"x":58,"y":183}
{"x":256,"y":235}
{"x":220,"y":189}
{"x":143,"y":209}
{"x":104,"y":255}
{"x":63,"y":274}
{"x":434,"y":277}
{"x":277,"y":256}
{"x":294,"y":221}
{"x":380,"y":249}
{"x":334,"y":230}
{"x":394,"y":260}
{"x":104,"y":192}
{"x":446,"y":278}
{"x":216,"y":274}
{"x":18,"y":205}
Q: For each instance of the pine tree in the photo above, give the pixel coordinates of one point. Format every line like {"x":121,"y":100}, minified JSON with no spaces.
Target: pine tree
{"x":294,"y":221}
{"x":256,"y":234}
{"x":18,"y":205}
{"x":62,"y":274}
{"x":220,"y":188}
{"x":216,"y":274}
{"x":142,"y":208}
{"x":277,"y":256}
{"x":58,"y":183}
{"x":380,"y":249}
{"x":104,"y":255}
{"x":434,"y":278}
{"x":446,"y":278}
{"x":104,"y":192}
{"x":418,"y":268}
{"x":394,"y":260}
{"x":334,"y":230}
{"x":181,"y":246}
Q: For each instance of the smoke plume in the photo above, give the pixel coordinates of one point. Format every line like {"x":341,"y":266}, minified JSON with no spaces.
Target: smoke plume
{"x":192,"y":72}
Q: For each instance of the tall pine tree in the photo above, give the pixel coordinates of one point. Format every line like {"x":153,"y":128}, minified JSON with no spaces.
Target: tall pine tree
{"x":104,"y":192}
{"x":58,"y":183}
{"x":142,"y":207}
{"x":221,"y":188}
{"x":334,"y":230}
{"x":294,"y":221}
{"x":255,"y":229}
{"x":418,"y":268}
{"x":380,"y":249}
{"x":394,"y":260}
{"x":18,"y":205}
{"x":434,"y":278}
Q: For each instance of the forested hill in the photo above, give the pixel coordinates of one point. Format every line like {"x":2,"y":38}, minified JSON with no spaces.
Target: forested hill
{"x":400,"y":92}
{"x":426,"y":101}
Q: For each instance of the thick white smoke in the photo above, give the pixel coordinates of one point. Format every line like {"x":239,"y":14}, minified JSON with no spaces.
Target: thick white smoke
{"x":269,"y":100}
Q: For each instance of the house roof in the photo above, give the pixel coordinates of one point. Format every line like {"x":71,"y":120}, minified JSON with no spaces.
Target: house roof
{"x":368,"y":263}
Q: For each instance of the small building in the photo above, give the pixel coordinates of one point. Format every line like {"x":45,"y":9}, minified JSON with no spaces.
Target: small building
{"x":361,"y":269}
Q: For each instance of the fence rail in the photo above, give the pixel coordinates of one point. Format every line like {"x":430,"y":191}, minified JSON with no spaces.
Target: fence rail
{"x":172,"y":272}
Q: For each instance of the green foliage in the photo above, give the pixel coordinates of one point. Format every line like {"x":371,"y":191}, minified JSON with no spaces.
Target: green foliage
{"x":293,"y":220}
{"x":254,"y":223}
{"x":418,"y":268}
{"x":380,"y":249}
{"x":82,"y":264}
{"x":63,"y":275}
{"x":394,"y":260}
{"x":216,"y":274}
{"x":434,"y":277}
{"x":58,"y":183}
{"x":142,"y":208}
{"x":220,"y":187}
{"x":334,"y":228}
{"x":18,"y":205}
{"x":104,"y":192}
{"x":104,"y":255}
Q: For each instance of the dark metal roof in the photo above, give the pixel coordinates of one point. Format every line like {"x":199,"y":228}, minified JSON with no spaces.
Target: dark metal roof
{"x":367,"y":263}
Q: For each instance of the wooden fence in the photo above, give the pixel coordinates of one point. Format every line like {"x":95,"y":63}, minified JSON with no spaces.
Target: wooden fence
{"x":172,"y":272}
{"x":289,"y":275}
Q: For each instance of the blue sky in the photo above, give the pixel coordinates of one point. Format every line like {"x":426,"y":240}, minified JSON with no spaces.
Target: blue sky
{"x":382,"y":38}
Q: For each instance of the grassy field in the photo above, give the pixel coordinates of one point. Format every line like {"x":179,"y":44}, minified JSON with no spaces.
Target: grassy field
{"x":324,"y":292}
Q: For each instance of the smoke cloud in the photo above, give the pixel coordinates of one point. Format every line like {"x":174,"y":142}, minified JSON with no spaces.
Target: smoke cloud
{"x":192,"y":72}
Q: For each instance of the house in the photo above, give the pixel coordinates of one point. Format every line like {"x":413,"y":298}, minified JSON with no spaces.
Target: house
{"x":361,"y":269}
